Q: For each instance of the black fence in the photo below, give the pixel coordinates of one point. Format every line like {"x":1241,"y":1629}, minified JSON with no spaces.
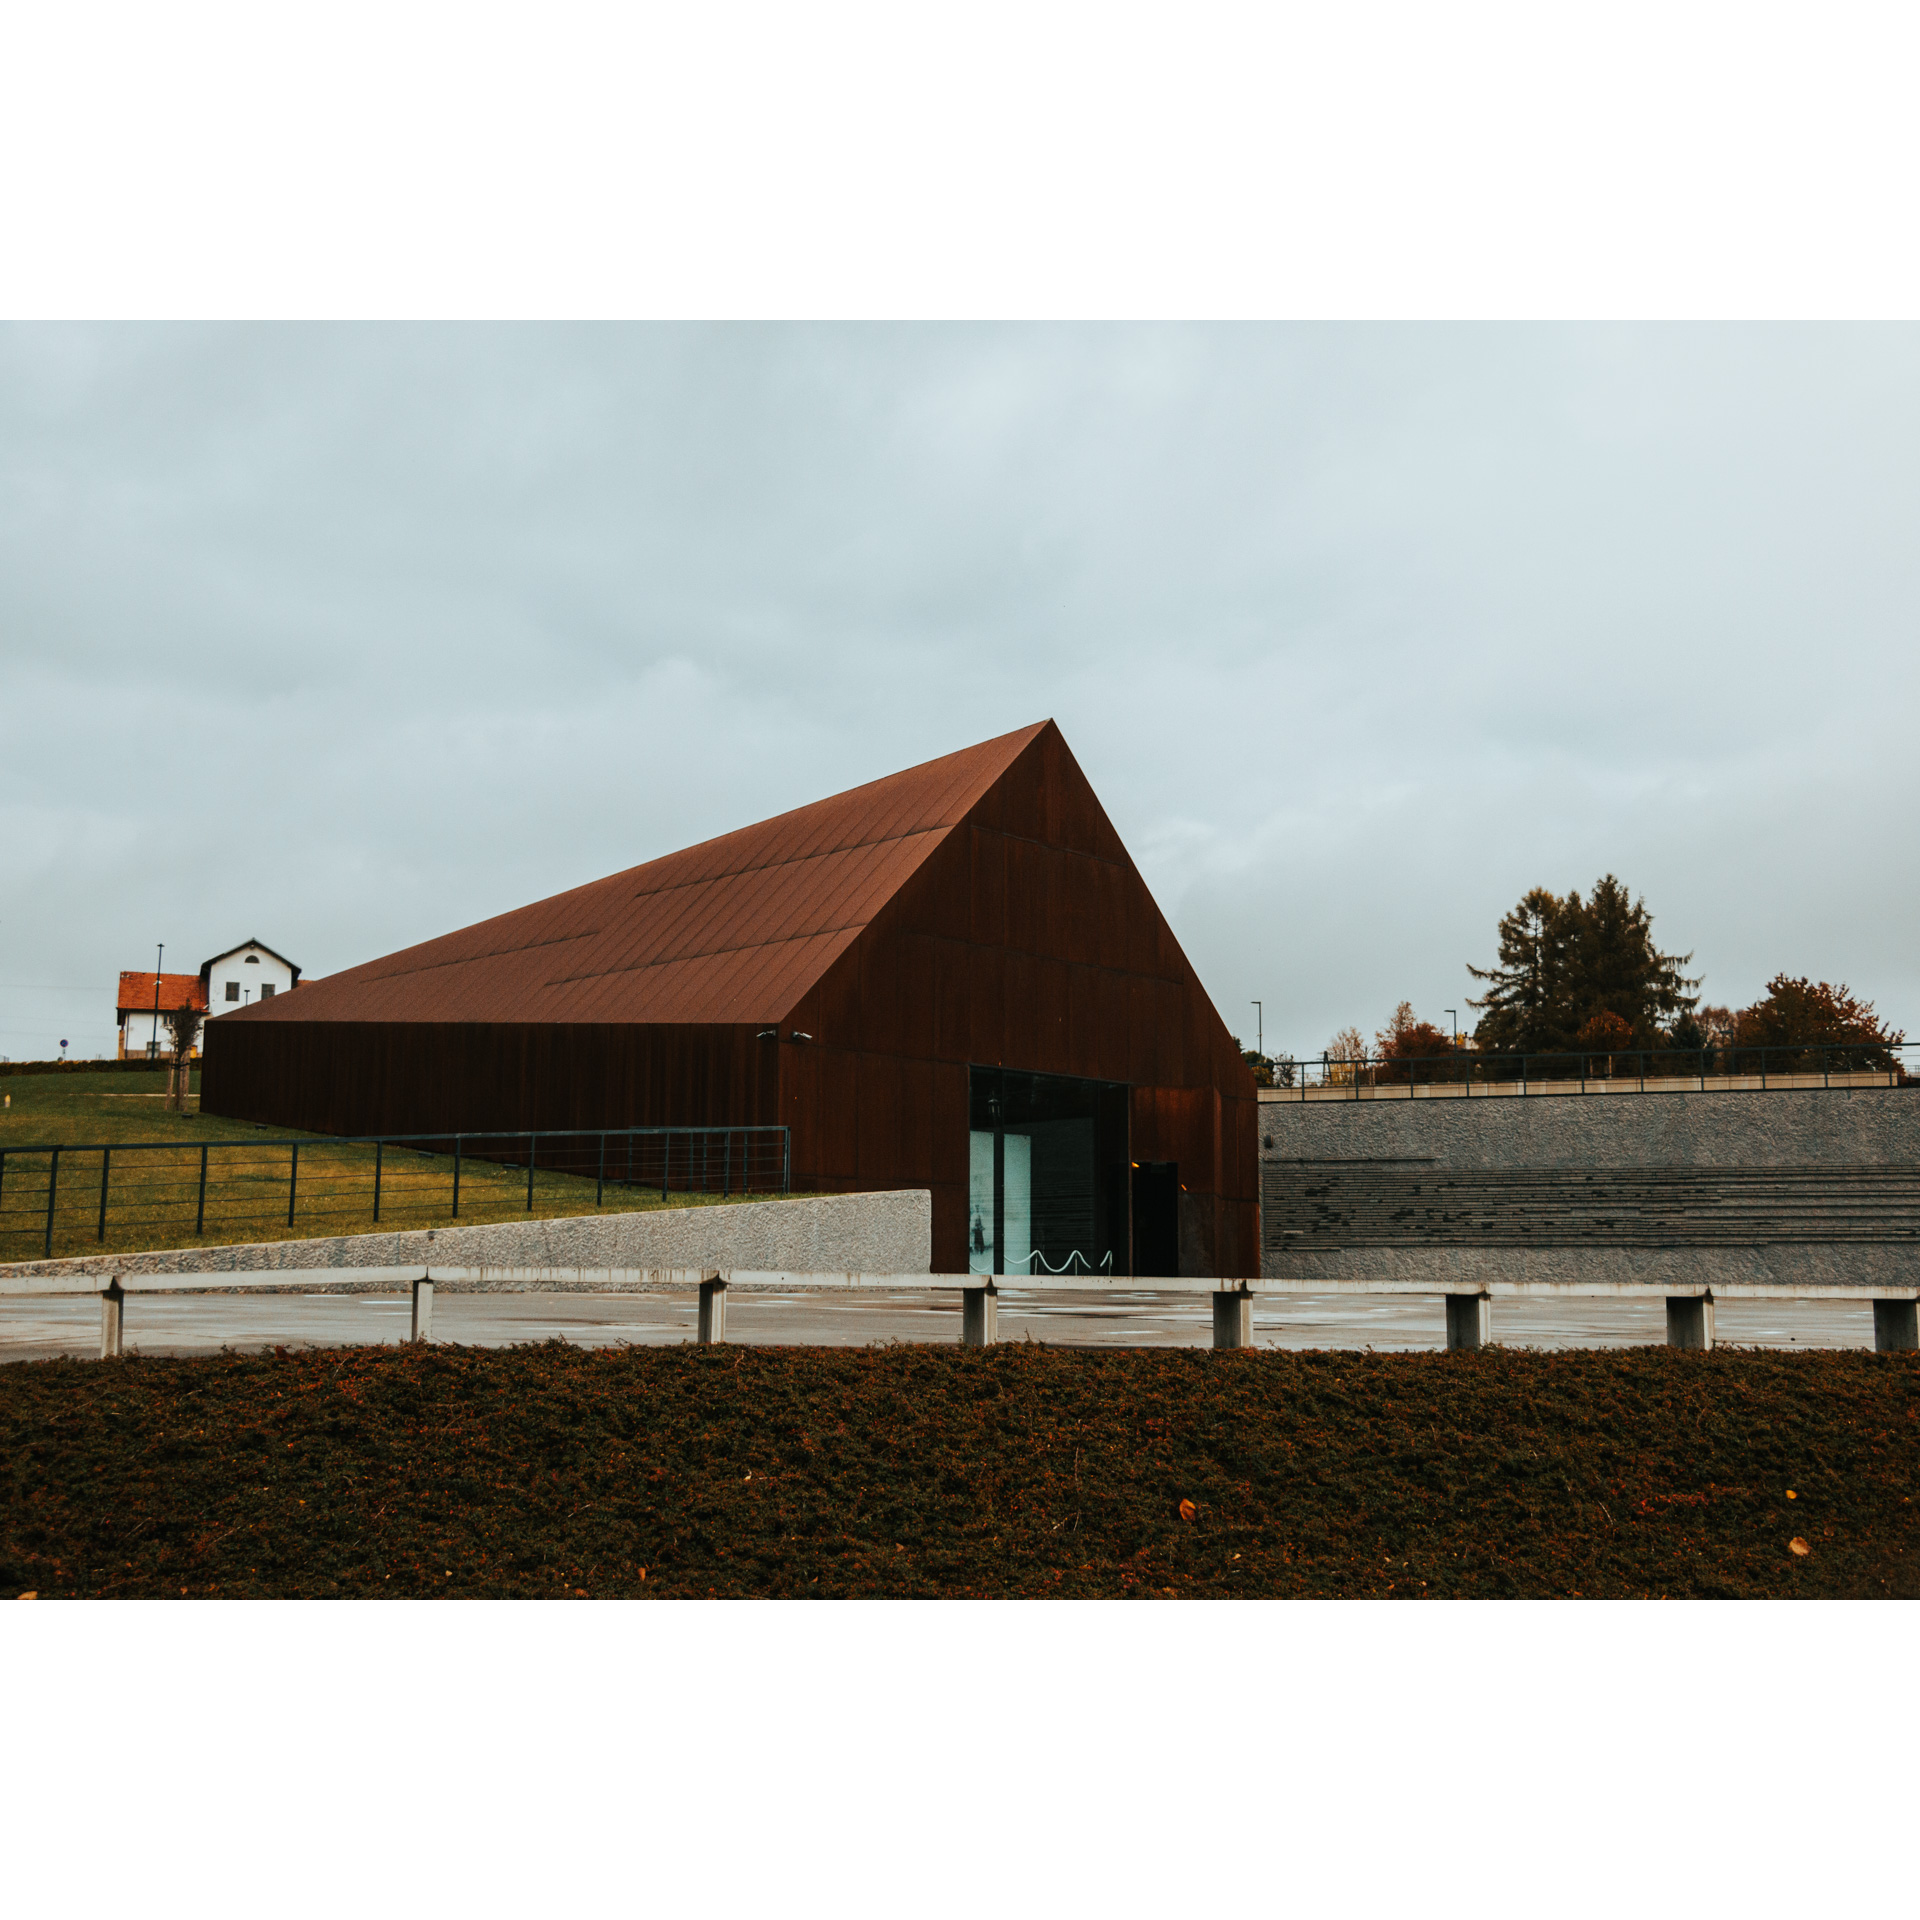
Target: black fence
{"x":135,"y":1192}
{"x":1841,"y":1062}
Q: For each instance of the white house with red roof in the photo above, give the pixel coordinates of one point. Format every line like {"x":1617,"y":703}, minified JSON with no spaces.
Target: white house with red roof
{"x":243,"y":974}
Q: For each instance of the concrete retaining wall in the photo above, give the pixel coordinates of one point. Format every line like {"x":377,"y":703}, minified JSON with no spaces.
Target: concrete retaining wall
{"x":836,"y":1233}
{"x":1799,"y":1128}
{"x":1869,"y":1126}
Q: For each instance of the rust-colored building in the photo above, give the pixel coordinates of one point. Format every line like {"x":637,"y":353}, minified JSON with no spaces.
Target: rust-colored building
{"x":952,"y":978}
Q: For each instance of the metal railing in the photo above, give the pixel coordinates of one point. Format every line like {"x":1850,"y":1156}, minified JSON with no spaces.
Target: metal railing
{"x":73,"y":1195}
{"x":1467,"y":1073}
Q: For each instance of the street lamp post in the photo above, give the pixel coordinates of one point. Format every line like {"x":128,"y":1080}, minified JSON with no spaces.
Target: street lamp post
{"x":153,"y":1039}
{"x":1259,"y":1030}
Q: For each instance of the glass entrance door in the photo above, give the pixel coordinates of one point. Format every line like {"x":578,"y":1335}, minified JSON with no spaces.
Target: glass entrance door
{"x":1047,"y":1174}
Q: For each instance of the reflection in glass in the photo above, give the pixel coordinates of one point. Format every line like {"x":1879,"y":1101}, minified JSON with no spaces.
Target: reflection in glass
{"x":1047,"y":1174}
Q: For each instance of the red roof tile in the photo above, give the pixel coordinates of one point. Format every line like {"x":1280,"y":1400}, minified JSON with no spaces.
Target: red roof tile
{"x":176,"y":990}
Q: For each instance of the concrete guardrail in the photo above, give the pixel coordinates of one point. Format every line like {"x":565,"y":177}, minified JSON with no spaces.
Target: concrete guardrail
{"x":1896,"y":1311}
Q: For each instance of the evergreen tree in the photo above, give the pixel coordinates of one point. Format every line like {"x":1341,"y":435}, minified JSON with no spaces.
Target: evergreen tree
{"x":1619,"y":970}
{"x":1566,"y":962}
{"x":1526,"y":1008}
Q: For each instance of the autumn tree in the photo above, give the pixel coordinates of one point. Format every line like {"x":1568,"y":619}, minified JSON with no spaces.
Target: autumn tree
{"x":1404,"y":1040}
{"x":1801,"y":1013}
{"x":1345,"y":1050}
{"x":1258,"y":1063}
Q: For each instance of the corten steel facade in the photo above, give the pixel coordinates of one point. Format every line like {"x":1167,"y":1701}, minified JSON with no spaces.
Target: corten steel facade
{"x":975,"y":912}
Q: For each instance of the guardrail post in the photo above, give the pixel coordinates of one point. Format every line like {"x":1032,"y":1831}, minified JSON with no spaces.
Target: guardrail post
{"x":113,"y":1304}
{"x":1690,"y":1323}
{"x":979,"y":1316}
{"x":1233,"y":1319}
{"x":422,"y":1309}
{"x":1469,"y":1322}
{"x":1896,"y":1326}
{"x":713,"y":1311}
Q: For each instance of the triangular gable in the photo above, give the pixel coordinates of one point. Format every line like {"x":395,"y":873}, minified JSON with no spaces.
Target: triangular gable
{"x":207,"y":966}
{"x":734,"y":930}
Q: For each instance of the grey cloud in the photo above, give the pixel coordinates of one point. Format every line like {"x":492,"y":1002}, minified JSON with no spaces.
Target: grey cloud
{"x":347,"y":635}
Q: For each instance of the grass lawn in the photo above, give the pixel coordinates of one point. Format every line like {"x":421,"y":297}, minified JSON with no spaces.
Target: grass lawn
{"x":552,"y":1471}
{"x":154,"y":1197}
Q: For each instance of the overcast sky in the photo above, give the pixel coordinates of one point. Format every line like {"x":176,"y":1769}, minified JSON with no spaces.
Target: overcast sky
{"x":347,"y":636}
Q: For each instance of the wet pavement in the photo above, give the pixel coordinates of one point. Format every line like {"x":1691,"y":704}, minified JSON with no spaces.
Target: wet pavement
{"x":204,"y":1323}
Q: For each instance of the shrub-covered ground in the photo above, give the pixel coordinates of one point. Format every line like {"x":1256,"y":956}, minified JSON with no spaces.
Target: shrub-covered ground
{"x":1018,"y":1470}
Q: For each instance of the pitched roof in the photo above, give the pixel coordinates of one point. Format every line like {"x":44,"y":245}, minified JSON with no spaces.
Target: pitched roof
{"x":176,"y":990}
{"x":207,"y":966}
{"x":733,"y":930}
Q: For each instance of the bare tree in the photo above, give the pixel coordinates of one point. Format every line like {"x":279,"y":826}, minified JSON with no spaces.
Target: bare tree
{"x":183,"y":1028}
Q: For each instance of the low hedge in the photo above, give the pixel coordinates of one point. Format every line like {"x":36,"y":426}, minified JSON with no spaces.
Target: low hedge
{"x":141,"y":1065}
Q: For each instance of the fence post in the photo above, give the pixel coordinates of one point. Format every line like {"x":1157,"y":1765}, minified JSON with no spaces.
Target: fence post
{"x":456,"y":1176}
{"x":422,"y":1309}
{"x":53,"y":1180}
{"x":1690,"y":1323}
{"x":666,"y":1154}
{"x":1232,"y":1319}
{"x":200,"y":1209}
{"x":726,"y":1167}
{"x":377,"y":1147}
{"x":713,"y":1311}
{"x":979,"y":1316}
{"x":600,"y":1185}
{"x":1469,"y":1321}
{"x":1896,"y":1326}
{"x":786,"y":1159}
{"x":293,"y":1180}
{"x":533,"y":1140}
{"x":106,"y":1160}
{"x":113,"y":1305}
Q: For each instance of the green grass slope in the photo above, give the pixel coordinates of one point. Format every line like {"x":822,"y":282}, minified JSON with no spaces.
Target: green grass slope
{"x":552,"y":1471}
{"x":153,"y":1198}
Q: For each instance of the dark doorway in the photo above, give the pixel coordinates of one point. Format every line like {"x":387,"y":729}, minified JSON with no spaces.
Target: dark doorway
{"x":1047,"y":1174}
{"x":1156,"y":1218}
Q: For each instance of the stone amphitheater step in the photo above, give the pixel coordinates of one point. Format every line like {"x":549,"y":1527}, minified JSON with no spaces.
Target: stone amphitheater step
{"x":1310,"y":1206}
